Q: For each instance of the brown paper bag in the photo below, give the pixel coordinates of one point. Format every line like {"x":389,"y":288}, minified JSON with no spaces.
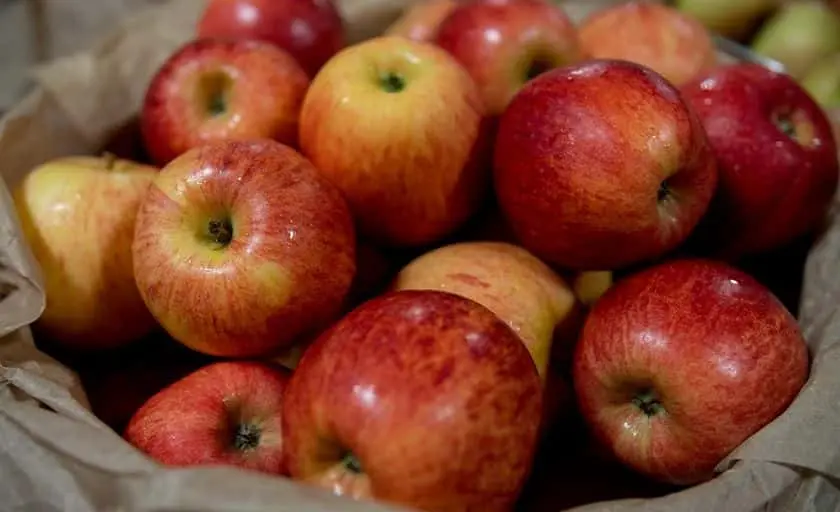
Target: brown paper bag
{"x":56,"y":455}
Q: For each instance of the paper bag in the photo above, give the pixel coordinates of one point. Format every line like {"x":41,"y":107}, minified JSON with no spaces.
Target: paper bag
{"x":56,"y":455}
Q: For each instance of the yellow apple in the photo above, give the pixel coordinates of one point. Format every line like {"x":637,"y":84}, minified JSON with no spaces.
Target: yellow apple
{"x":77,"y":214}
{"x":519,"y":288}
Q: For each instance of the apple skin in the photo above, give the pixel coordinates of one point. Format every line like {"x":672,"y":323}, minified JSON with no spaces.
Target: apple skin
{"x":505,"y":43}
{"x":508,"y":280}
{"x":311,"y":31}
{"x":77,"y":215}
{"x":822,"y":81}
{"x":662,"y":38}
{"x":421,"y":21}
{"x":241,"y":247}
{"x":399,"y":386}
{"x":730,"y":19}
{"x":679,"y":364}
{"x":799,"y":34}
{"x":399,"y":127}
{"x":211,"y":90}
{"x":226,"y":413}
{"x":609,"y":152}
{"x":772,"y":188}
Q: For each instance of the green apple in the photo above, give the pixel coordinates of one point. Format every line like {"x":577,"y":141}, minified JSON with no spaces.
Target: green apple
{"x":822,"y":81}
{"x":799,"y":35}
{"x":730,"y":18}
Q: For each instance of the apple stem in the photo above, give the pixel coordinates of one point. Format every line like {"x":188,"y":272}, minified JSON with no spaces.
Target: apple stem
{"x":648,"y":402}
{"x":220,"y":231}
{"x":352,"y":464}
{"x":246,"y":437}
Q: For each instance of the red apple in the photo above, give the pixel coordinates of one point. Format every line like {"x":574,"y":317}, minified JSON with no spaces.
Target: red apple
{"x":602,"y":165}
{"x":679,"y":364}
{"x":398,"y":126}
{"x":506,"y":43}
{"x":226,"y":413}
{"x":241,"y":247}
{"x":776,"y":154}
{"x":421,"y":20}
{"x":310,"y":30}
{"x":77,"y":215}
{"x":420,"y":398}
{"x":212,"y":90}
{"x":662,"y":38}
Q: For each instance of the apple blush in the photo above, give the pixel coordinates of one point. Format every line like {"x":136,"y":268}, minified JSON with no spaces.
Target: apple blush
{"x":243,"y":247}
{"x":601,"y":165}
{"x":680,"y":363}
{"x":420,"y":398}
{"x":227,"y":413}
{"x":213,"y":89}
{"x":777,"y":160}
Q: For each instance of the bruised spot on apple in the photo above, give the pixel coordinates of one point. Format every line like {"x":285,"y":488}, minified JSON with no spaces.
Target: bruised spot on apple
{"x":242,"y":247}
{"x":680,"y":363}
{"x":225,"y":413}
{"x":420,"y":398}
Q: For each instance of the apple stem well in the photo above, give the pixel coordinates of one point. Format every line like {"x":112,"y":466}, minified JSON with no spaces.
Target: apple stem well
{"x":214,"y":92}
{"x":351,"y":462}
{"x":220,"y":232}
{"x":664,"y":192}
{"x":246,"y":437}
{"x":392,"y":82}
{"x":648,"y":402}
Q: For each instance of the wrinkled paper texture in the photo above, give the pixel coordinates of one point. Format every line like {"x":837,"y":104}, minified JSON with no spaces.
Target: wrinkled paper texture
{"x":56,"y":455}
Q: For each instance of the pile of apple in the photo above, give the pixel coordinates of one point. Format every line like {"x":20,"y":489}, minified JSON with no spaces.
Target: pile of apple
{"x":520,"y":160}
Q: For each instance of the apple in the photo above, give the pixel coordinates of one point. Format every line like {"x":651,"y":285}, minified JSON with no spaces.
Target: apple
{"x":242,"y":247}
{"x":311,"y":31}
{"x":420,"y":21}
{"x":776,"y":155}
{"x":799,"y":34}
{"x":398,"y":125}
{"x":226,"y":413}
{"x":211,"y":90}
{"x":822,"y":81}
{"x":508,"y":280}
{"x":77,"y":215}
{"x":420,"y":398}
{"x":601,"y":165}
{"x":506,"y":43}
{"x":660,"y":37}
{"x":730,"y":19}
{"x":591,"y":286}
{"x":681,"y":363}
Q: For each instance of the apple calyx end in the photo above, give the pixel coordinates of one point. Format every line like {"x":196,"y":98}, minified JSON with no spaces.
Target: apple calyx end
{"x":392,"y":82}
{"x":648,"y":402}
{"x":220,"y":232}
{"x":246,"y":437}
{"x":351,"y":463}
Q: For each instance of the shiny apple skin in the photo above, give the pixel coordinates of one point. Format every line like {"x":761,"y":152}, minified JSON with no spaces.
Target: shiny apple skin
{"x":660,"y":37}
{"x":721,"y":352}
{"x":264,"y":88}
{"x":498,"y":41}
{"x":580,"y":157}
{"x":286,"y":269}
{"x":77,"y":214}
{"x":772,"y":188}
{"x":413,"y":164}
{"x":312,"y":31}
{"x":435,"y":396}
{"x":192,"y":422}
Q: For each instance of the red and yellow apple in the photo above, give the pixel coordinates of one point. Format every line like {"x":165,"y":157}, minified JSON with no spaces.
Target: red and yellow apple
{"x":660,"y":37}
{"x":420,"y":398}
{"x":506,"y":43}
{"x":681,"y":363}
{"x":211,"y":90}
{"x":77,"y":214}
{"x":421,"y":20}
{"x":311,"y":31}
{"x":602,"y":165}
{"x":777,"y":158}
{"x":399,"y":127}
{"x":226,"y":413}
{"x":241,"y":247}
